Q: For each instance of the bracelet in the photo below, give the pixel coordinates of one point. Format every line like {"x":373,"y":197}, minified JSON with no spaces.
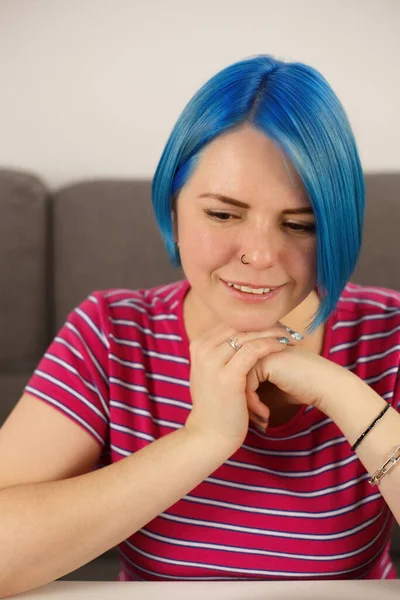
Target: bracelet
{"x":391,"y":462}
{"x":370,"y":427}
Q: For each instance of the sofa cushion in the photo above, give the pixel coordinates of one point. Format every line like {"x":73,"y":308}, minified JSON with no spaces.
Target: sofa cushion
{"x":379,"y":258}
{"x":105,"y":236}
{"x":11,"y":388}
{"x":23,"y":261}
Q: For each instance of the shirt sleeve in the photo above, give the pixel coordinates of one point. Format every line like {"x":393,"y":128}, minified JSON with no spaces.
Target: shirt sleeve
{"x":396,"y":393}
{"x":72,"y":375}
{"x":394,"y":338}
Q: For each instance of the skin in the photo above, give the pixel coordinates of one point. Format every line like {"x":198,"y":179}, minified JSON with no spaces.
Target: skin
{"x":245,"y":165}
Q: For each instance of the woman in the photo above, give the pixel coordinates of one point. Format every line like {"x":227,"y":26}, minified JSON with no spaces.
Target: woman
{"x":239,"y":414}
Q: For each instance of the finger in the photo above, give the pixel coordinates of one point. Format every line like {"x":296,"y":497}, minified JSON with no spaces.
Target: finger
{"x":254,"y":403}
{"x":258,"y":412}
{"x":222,"y":332}
{"x":278,"y":330}
{"x":293,"y":334}
{"x":247,"y":357}
{"x":258,"y":421}
{"x":222,"y":342}
{"x":226,"y":350}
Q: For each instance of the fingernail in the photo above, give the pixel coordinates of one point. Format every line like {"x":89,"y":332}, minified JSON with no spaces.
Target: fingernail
{"x":294,"y":334}
{"x":263,"y":419}
{"x":283,"y":340}
{"x":260,"y":429}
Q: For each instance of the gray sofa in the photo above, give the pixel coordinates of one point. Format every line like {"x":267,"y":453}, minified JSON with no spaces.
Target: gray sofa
{"x":56,"y":247}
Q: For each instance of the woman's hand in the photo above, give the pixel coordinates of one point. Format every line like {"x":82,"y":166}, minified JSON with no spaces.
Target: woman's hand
{"x":304,"y":377}
{"x":219,"y":381}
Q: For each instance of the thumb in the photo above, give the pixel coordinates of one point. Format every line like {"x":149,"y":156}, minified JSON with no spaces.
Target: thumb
{"x":253,"y":381}
{"x":254,"y":403}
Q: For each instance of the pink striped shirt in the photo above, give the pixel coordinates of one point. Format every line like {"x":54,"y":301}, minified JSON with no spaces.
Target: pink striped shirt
{"x":293,"y":503}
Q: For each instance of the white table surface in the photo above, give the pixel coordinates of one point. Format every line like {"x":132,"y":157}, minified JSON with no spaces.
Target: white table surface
{"x":217,"y":590}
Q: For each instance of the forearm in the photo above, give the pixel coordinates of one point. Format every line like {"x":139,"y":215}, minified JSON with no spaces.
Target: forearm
{"x":353,"y":406}
{"x":50,"y":529}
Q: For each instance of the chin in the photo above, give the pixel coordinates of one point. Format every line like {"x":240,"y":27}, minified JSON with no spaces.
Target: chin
{"x":259,"y":323}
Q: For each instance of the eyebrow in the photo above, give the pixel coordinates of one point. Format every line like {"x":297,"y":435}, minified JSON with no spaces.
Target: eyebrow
{"x":239,"y":204}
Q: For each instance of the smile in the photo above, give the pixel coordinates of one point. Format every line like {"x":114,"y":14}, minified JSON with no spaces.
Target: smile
{"x":251,"y":294}
{"x":250,"y":290}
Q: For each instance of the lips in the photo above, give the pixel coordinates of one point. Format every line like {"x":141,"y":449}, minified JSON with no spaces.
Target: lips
{"x":250,"y":285}
{"x":251,"y":297}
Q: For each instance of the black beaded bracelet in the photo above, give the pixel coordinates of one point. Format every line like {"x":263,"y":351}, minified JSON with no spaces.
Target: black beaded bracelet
{"x":370,"y":427}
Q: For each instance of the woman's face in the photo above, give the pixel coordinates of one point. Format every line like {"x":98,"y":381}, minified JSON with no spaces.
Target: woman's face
{"x":240,"y":201}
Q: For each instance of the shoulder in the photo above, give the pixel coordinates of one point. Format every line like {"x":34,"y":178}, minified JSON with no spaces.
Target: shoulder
{"x":132,"y":313}
{"x":365,"y":336}
{"x":144,"y":301}
{"x":366,"y":325}
{"x":368,"y":303}
{"x":149,"y":301}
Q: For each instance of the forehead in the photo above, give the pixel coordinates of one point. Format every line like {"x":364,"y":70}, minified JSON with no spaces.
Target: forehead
{"x":245,"y":161}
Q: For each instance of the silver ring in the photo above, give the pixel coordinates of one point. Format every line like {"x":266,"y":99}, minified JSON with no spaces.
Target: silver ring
{"x":294,"y":334}
{"x":234,"y":343}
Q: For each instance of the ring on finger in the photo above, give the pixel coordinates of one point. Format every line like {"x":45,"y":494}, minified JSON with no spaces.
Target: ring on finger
{"x":294,"y":334}
{"x":234,"y":343}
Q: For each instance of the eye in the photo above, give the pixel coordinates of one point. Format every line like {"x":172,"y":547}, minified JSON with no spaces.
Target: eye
{"x":220,"y":216}
{"x":302,"y":227}
{"x":295,"y":227}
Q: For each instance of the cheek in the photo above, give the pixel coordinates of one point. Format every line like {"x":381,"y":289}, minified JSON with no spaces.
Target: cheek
{"x":307,"y":258}
{"x":204,"y":246}
{"x":299,"y":258}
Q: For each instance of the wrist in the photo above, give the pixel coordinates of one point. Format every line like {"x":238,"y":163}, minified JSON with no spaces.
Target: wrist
{"x":352,"y":405}
{"x":338,"y":391}
{"x":212,"y":441}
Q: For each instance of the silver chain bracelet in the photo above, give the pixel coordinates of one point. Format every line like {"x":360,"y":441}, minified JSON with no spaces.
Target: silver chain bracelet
{"x":391,"y":462}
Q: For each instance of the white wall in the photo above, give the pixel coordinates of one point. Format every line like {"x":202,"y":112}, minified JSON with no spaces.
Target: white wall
{"x":93,"y":87}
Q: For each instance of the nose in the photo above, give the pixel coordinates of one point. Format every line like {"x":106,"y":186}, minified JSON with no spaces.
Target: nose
{"x":262,"y":247}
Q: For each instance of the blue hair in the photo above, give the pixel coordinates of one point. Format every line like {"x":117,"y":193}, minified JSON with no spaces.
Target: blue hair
{"x":296,"y":108}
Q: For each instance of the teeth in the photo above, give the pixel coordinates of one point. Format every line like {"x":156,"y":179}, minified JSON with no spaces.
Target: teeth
{"x":249,"y":290}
